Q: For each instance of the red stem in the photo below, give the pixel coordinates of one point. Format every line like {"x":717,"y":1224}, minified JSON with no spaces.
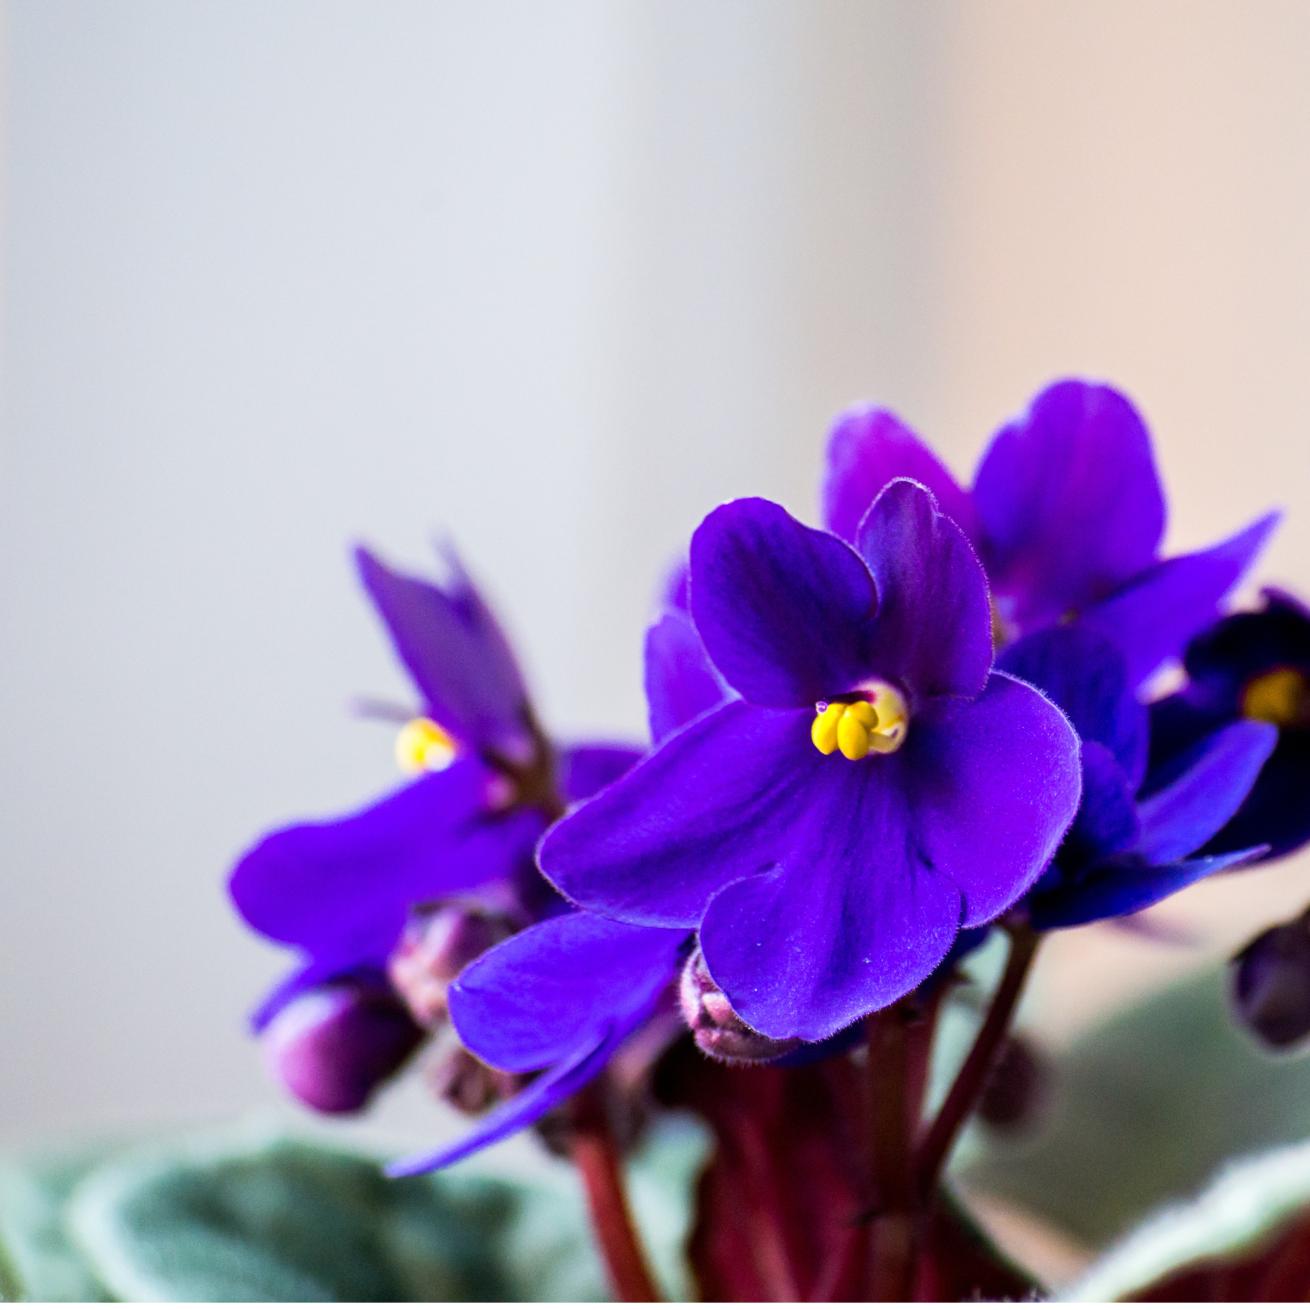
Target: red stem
{"x":597,"y":1161}
{"x":972,"y":1078}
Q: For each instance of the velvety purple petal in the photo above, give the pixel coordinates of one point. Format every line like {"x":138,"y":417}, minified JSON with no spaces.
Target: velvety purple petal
{"x":1275,"y":814}
{"x":1087,"y":677}
{"x":713,"y":803}
{"x":1107,"y":822}
{"x":856,"y":921}
{"x":1214,"y":781}
{"x":785,"y":611}
{"x":584,"y":770}
{"x":933,"y":633}
{"x":456,"y":653}
{"x":996,"y":785}
{"x":867,"y":449}
{"x":1154,"y":615}
{"x":1127,"y":888}
{"x":1069,"y":500}
{"x":681,"y":682}
{"x":341,"y":890}
{"x":520,"y":1111}
{"x":533,"y":999}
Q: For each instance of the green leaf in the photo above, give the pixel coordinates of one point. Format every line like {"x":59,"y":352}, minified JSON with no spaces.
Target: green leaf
{"x":39,"y":1263}
{"x":1147,"y":1108}
{"x":1237,"y":1229}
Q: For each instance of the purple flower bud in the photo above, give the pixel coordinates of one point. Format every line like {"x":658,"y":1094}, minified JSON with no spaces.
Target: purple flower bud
{"x":461,"y":1080}
{"x":1016,"y":1089}
{"x":333,"y":1047}
{"x":719,"y":1031}
{"x":1270,"y":984}
{"x":436,"y":947}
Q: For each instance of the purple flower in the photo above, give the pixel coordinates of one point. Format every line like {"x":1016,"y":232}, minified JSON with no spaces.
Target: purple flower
{"x":488,"y":783}
{"x":872,"y":788}
{"x":1130,"y":845}
{"x":1067,"y":514}
{"x":1252,"y":667}
{"x":562,"y":997}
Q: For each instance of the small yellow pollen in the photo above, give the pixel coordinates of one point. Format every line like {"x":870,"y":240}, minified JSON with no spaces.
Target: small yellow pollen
{"x":860,"y":727}
{"x":423,"y":746}
{"x":1280,"y":697}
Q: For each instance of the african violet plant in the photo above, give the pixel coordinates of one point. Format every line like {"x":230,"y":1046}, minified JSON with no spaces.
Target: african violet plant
{"x":879,"y":750}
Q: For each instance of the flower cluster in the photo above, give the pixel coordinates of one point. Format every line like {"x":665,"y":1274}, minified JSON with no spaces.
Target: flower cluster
{"x":871,"y":743}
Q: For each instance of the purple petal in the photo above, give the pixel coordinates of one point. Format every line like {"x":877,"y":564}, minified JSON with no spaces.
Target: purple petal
{"x":1086,"y":676}
{"x":857,"y":920}
{"x":1275,"y":814}
{"x":996,"y":784}
{"x":1070,"y":502}
{"x":867,"y":449}
{"x":785,"y":611}
{"x":1214,"y":781}
{"x":1107,"y":822}
{"x":538,"y":1098}
{"x":681,"y":682}
{"x":713,"y":803}
{"x":533,"y":999}
{"x":341,"y":890}
{"x":456,"y":653}
{"x":934,"y":631}
{"x":584,"y":770}
{"x":1154,"y":616}
{"x":1119,"y":889}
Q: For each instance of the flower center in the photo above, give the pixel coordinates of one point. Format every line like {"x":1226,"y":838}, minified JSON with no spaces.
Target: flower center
{"x":423,"y":746}
{"x":1280,"y":697}
{"x":875,"y":720}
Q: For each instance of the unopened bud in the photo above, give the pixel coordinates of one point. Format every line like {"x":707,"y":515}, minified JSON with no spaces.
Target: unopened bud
{"x":333,"y":1047}
{"x":461,"y":1080}
{"x":718,"y":1029}
{"x":1270,"y":984}
{"x":436,"y":947}
{"x":1016,"y":1088}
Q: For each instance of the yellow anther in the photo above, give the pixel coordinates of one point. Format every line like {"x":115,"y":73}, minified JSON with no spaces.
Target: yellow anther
{"x":423,"y":746}
{"x":857,"y":728}
{"x":1281,"y":697}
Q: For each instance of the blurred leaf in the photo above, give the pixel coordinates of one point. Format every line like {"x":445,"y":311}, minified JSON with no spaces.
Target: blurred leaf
{"x":1147,"y":1108}
{"x":39,"y":1263}
{"x":1245,"y":1238}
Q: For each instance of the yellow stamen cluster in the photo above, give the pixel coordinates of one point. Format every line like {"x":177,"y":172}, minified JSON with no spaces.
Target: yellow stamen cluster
{"x":857,"y":728}
{"x":423,"y":746}
{"x":1281,"y":697}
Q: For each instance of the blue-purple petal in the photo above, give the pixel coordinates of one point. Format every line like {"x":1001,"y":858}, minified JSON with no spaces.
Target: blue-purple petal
{"x":681,"y":682}
{"x":1107,"y":822}
{"x":457,"y":655}
{"x":1070,"y":502}
{"x":996,"y":785}
{"x":532,"y":1000}
{"x":341,"y":890}
{"x":933,"y":633}
{"x":1211,"y":783}
{"x":713,"y":803}
{"x":785,"y":611}
{"x":1087,"y":677}
{"x":869,"y":447}
{"x":1157,"y":613}
{"x":584,"y":770}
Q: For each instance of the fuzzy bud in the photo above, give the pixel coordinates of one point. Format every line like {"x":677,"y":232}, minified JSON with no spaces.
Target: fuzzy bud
{"x":1016,"y":1088}
{"x":436,"y":947}
{"x":1270,"y":984}
{"x":333,"y":1047}
{"x":717,"y":1028}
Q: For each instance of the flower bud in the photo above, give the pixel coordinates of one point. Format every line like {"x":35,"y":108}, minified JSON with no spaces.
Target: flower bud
{"x":333,"y":1047}
{"x":1270,"y":984}
{"x":437,"y":945}
{"x":717,"y":1028}
{"x":461,"y":1080}
{"x":1016,"y":1088}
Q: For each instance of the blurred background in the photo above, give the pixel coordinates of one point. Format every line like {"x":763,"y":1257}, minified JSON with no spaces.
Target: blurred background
{"x":553,"y":279}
